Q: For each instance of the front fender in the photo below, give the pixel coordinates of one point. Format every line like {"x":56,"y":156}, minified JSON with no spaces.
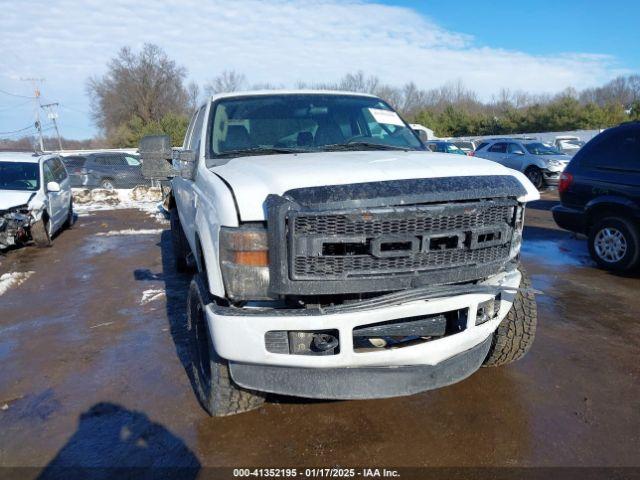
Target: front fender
{"x":37,"y":207}
{"x":216,"y":208}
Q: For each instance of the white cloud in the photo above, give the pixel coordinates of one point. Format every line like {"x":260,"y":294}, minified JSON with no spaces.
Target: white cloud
{"x":274,"y":41}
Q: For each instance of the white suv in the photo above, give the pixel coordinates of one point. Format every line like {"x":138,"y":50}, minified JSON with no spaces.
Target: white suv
{"x":35,"y":198}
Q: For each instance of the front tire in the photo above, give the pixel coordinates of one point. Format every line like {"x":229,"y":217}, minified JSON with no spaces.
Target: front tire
{"x":614,"y":244}
{"x":179,"y":242}
{"x":515,"y":334}
{"x":214,"y":387}
{"x":41,"y":233}
{"x":534,"y":174}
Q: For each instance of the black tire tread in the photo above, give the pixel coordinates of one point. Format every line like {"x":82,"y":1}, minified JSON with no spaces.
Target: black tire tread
{"x":542,"y":182}
{"x":39,"y":234}
{"x":224,"y":398}
{"x":515,"y":334}
{"x":179,"y":242}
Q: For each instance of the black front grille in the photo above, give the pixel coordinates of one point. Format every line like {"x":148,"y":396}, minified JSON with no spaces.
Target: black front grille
{"x":415,"y":240}
{"x":390,"y":235}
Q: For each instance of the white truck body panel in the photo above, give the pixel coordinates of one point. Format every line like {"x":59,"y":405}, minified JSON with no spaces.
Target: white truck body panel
{"x":253,"y":178}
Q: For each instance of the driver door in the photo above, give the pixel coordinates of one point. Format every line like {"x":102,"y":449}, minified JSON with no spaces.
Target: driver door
{"x":184,"y":190}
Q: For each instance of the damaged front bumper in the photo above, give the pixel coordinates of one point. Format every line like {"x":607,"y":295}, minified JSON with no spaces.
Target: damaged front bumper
{"x":14,"y":227}
{"x":241,"y":336}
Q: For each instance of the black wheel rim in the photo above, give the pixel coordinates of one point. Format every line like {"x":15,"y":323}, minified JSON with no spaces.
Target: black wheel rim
{"x":536,"y":178}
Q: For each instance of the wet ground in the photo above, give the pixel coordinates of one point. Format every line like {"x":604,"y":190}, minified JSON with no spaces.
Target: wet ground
{"x":92,"y":355}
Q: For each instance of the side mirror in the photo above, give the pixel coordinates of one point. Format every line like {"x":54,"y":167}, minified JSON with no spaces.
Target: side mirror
{"x":155,"y":152}
{"x":186,"y":163}
{"x":53,"y":187}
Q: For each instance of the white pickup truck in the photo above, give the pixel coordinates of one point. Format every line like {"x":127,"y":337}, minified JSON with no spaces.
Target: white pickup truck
{"x":335,"y":256}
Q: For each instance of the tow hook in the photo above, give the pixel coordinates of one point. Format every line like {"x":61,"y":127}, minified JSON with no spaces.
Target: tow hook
{"x":324,"y":341}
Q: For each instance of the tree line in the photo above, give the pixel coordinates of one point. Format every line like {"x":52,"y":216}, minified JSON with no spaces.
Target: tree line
{"x":146,"y":92}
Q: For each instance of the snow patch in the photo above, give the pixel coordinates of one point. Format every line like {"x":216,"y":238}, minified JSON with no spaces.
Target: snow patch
{"x":151,"y":295}
{"x":13,"y":279}
{"x":130,"y":231}
{"x":146,"y":199}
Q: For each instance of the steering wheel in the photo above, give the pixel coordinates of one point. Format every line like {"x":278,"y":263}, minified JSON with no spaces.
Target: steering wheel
{"x":23,"y":183}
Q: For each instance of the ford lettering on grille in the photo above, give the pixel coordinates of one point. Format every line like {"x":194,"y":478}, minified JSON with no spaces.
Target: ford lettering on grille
{"x":402,"y":240}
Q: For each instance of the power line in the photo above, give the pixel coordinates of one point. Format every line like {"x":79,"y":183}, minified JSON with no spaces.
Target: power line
{"x":16,"y":131}
{"x":15,"y":106}
{"x":15,"y":94}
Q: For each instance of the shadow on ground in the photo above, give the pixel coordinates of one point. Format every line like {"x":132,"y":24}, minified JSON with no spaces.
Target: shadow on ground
{"x":114,"y":442}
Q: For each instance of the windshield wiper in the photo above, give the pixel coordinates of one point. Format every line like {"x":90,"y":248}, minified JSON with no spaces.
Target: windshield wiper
{"x":259,"y":151}
{"x":361,"y":146}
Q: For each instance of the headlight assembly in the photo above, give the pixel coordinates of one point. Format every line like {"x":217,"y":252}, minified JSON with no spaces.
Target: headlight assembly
{"x":244,"y":261}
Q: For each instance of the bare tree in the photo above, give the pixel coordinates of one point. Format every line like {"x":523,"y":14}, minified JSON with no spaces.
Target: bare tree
{"x":227,"y":81}
{"x":193,"y":92}
{"x":147,"y":85}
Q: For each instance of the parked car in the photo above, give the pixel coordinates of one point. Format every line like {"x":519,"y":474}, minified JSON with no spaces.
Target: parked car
{"x":317,"y":225}
{"x":568,"y":144}
{"x":541,"y":163}
{"x":444,"y":147}
{"x":106,"y":170}
{"x":467,"y":146}
{"x":35,"y":199}
{"x":423,"y":132}
{"x":600,"y":197}
{"x":75,"y":169}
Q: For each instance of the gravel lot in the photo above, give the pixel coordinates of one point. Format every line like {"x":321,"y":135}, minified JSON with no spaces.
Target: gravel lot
{"x":92,"y":371}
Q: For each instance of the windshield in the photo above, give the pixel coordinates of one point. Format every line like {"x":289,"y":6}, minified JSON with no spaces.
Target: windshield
{"x":307,"y":123}
{"x":19,"y":176}
{"x":541,"y":149}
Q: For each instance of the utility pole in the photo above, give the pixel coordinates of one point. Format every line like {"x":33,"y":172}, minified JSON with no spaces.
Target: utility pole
{"x":35,"y":82}
{"x":52,"y":115}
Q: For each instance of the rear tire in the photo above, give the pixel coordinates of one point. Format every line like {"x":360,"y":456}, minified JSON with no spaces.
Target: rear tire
{"x":614,"y":244}
{"x":181,"y":249}
{"x":214,"y":387}
{"x":40,"y":233}
{"x":515,"y":334}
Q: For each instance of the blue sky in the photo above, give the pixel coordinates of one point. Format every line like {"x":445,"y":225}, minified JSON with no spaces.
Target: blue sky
{"x":540,"y":47}
{"x":544,"y":27}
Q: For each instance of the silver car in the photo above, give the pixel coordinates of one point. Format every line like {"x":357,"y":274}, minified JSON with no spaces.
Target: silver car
{"x":541,"y":163}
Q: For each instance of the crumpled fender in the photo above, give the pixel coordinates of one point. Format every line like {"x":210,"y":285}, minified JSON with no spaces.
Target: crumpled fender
{"x":37,"y":206}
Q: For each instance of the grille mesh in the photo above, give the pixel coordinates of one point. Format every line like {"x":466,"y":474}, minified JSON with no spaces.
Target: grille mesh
{"x":414,"y":220}
{"x":419,"y":221}
{"x":366,"y":265}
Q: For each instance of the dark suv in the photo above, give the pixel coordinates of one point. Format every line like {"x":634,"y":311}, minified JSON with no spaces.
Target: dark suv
{"x":105,"y":170}
{"x":600,"y":195}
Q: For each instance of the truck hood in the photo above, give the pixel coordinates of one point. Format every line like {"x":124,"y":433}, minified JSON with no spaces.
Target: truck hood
{"x":14,"y":198}
{"x":253,"y":178}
